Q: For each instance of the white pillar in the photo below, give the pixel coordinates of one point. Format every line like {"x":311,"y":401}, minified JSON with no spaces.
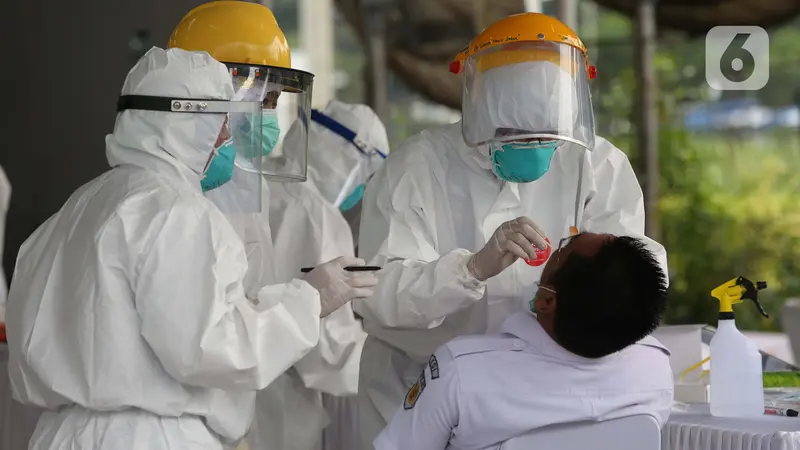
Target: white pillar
{"x":590,"y":29}
{"x":318,"y":43}
{"x":378,"y":84}
{"x":533,"y":6}
{"x":644,"y":44}
{"x":567,"y":12}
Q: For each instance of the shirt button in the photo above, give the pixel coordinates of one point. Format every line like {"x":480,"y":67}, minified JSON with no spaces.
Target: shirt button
{"x":518,"y":344}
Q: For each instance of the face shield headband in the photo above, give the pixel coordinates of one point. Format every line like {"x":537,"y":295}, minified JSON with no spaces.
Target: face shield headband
{"x":184,"y":105}
{"x":242,"y":140}
{"x":345,"y":133}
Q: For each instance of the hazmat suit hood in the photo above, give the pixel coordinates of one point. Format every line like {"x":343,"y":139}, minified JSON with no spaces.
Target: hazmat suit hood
{"x":181,"y":142}
{"x":335,"y":166}
{"x":529,"y":96}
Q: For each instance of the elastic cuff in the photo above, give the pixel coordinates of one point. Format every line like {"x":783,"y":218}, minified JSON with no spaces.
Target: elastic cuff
{"x":297,"y":296}
{"x":466,"y":278}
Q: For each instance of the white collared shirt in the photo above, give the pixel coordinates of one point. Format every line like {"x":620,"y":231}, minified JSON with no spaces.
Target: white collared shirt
{"x":478,"y":391}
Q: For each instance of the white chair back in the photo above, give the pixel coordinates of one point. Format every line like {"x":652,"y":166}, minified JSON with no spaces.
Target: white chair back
{"x":640,"y":432}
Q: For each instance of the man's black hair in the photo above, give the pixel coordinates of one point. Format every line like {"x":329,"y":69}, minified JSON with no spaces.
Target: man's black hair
{"x":608,"y":301}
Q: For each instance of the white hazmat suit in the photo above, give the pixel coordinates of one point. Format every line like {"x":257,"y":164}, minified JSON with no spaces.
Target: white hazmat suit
{"x":434,"y":203}
{"x":307,"y":229}
{"x":5,"y":197}
{"x":128,"y":318}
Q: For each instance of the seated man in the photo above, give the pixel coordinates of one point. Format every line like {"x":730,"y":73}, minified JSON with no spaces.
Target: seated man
{"x":583,"y":356}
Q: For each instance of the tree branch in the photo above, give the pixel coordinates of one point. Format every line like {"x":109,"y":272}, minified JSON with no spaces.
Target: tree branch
{"x":425,"y":37}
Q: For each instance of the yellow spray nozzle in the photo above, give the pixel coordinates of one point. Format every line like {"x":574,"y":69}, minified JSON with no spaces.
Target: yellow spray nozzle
{"x":728,"y":295}
{"x":735,"y":291}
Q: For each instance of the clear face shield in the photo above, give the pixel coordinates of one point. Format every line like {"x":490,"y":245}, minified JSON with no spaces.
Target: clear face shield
{"x":343,"y":171}
{"x":352,"y":191}
{"x":527,"y":92}
{"x":263,"y":156}
{"x":286,"y":98}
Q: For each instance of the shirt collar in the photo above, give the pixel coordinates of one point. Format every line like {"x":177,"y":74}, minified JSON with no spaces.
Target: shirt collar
{"x":525,"y":327}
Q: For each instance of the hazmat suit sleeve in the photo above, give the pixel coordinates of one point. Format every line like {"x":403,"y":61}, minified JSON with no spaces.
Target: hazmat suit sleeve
{"x":615,"y":203}
{"x":418,"y":287}
{"x":195,"y":316}
{"x":332,"y":366}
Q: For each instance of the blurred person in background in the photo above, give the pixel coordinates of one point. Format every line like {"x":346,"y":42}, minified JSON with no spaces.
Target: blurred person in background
{"x":298,"y":226}
{"x":455,"y":209}
{"x":347,"y":144}
{"x":344,"y":182}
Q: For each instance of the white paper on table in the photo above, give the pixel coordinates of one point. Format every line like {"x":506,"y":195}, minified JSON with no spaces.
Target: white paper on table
{"x":685,"y":343}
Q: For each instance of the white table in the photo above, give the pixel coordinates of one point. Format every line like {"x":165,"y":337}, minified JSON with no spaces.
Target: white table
{"x":697,"y":429}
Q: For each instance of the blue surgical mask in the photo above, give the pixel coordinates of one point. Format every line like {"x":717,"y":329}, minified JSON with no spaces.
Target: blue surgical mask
{"x":220,"y":169}
{"x":522,"y":162}
{"x":353,"y":199}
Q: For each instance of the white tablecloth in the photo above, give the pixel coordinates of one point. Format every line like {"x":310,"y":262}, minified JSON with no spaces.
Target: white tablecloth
{"x":697,"y":429}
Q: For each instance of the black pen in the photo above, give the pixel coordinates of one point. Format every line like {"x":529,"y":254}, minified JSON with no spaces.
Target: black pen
{"x":348,"y":268}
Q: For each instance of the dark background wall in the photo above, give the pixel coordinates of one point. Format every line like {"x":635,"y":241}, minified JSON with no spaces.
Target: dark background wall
{"x":62,"y":69}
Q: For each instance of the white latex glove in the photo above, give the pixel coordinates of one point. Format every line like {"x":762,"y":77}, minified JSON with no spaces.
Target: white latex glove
{"x":337,"y":286}
{"x":513,"y":239}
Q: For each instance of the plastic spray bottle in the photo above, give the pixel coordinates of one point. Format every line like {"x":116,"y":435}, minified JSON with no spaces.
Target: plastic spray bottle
{"x":736,"y":370}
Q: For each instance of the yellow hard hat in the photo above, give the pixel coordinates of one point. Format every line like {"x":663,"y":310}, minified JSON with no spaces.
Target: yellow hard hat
{"x":520,"y":28}
{"x":247,"y":39}
{"x":234,"y":32}
{"x":502,"y":72}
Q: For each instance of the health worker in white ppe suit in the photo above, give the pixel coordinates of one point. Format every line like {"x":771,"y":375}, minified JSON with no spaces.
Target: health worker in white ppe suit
{"x":289,"y":412}
{"x":347,"y":144}
{"x":128,"y":318}
{"x":302,"y":228}
{"x":456,"y":212}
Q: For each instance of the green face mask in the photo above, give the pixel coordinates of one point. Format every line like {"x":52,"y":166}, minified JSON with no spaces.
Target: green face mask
{"x":353,"y":199}
{"x":270,"y":131}
{"x":220,"y":170}
{"x":522,"y":162}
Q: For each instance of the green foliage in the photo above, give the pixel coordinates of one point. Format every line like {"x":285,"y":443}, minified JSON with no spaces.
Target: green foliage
{"x":730,"y":205}
{"x":729,"y":209}
{"x":783,"y":87}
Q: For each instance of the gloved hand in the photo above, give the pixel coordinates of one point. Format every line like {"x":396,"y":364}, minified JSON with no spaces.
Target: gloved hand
{"x":513,"y":239}
{"x":337,"y":286}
